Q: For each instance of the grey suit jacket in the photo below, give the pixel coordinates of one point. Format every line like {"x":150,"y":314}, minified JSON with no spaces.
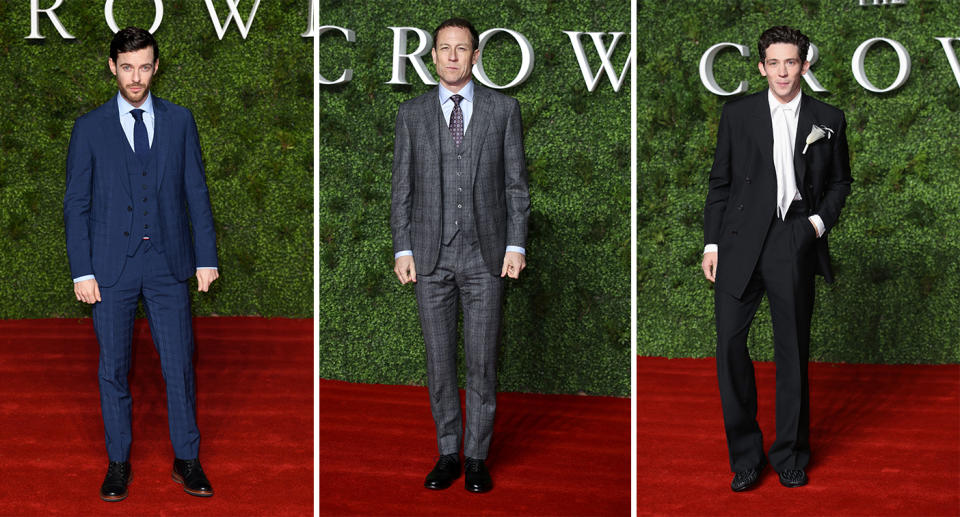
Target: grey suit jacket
{"x":501,"y":200}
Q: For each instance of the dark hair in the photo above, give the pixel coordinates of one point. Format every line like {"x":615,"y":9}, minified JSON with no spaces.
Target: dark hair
{"x":783,"y":34}
{"x":132,"y":39}
{"x":461,"y":23}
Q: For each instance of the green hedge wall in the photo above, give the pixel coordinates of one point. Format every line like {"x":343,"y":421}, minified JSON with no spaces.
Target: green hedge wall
{"x":252,"y":100}
{"x":566,"y":325}
{"x":895,"y":249}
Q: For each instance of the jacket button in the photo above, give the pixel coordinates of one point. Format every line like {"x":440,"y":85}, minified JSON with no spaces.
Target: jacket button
{"x":740,"y":206}
{"x":747,"y":179}
{"x":129,"y":209}
{"x":733,"y":232}
{"x":809,"y":186}
{"x":126,"y":234}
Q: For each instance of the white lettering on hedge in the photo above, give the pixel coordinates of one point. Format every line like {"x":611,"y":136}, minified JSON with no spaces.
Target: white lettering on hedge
{"x":605,"y":65}
{"x":351,"y":37}
{"x":234,"y":14}
{"x":706,"y":69}
{"x":860,"y":74}
{"x":951,"y":56}
{"x":400,"y":56}
{"x":108,"y":15}
{"x":312,"y":20}
{"x":526,"y":59}
{"x":866,"y":3}
{"x":813,"y":54}
{"x":35,"y":11}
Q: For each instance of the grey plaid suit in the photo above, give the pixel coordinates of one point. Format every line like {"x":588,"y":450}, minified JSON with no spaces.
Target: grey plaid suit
{"x":496,"y":206}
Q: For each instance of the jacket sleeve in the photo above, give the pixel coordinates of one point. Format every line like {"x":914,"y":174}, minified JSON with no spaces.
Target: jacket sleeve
{"x":515,"y":179}
{"x":198,"y":199}
{"x":720,"y":175}
{"x":76,"y":202}
{"x":401,"y":190}
{"x":838,"y":179}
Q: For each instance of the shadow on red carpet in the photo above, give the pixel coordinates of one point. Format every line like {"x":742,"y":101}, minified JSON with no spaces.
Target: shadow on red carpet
{"x":550,"y":455}
{"x":885,"y":440}
{"x":254,"y":410}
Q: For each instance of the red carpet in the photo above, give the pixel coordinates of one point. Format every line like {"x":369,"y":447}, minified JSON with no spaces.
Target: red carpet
{"x":550,"y":455}
{"x":885,"y":441}
{"x":254,"y":409}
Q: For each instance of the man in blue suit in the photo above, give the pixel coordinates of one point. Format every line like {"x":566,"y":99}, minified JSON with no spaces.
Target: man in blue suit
{"x":135,"y":188}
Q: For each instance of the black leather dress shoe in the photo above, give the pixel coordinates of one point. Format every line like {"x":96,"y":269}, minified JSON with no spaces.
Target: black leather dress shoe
{"x":444,"y":472}
{"x":744,"y":480}
{"x":114,"y":487}
{"x":190,"y":474}
{"x":792,"y":478}
{"x":477,"y":477}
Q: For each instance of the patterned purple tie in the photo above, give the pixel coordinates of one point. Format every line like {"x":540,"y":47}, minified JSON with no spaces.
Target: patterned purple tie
{"x":456,"y":120}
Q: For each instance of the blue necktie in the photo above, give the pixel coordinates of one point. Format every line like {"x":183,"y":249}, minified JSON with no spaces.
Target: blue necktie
{"x":141,"y":144}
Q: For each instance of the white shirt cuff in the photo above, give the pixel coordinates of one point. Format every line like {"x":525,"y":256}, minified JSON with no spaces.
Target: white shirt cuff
{"x":516,"y":249}
{"x":818,"y":222}
{"x":404,"y":253}
{"x":207,"y":267}
{"x":82,"y":278}
{"x":710,"y":248}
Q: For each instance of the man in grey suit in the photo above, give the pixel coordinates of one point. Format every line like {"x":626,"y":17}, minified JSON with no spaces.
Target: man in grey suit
{"x":459,"y":221}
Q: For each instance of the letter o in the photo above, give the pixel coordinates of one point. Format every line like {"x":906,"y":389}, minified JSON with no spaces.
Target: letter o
{"x":526,"y":59}
{"x":860,"y":74}
{"x":108,"y":14}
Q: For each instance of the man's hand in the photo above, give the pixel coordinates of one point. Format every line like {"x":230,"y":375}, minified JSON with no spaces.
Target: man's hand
{"x":513,"y":264}
{"x":205,"y":277}
{"x":87,"y":291}
{"x":709,"y":266}
{"x":405,"y":269}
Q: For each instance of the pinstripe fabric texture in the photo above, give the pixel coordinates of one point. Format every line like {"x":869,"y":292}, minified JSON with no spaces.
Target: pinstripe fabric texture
{"x":167,"y":303}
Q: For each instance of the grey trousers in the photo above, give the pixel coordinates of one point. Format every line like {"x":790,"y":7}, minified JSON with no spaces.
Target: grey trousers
{"x":461,"y":276}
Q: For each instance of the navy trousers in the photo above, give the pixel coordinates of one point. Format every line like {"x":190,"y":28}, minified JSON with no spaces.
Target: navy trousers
{"x":167,"y":304}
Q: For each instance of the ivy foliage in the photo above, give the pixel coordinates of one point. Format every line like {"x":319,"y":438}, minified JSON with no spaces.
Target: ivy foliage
{"x":895,"y":249}
{"x":252,"y":100}
{"x":566,"y":321}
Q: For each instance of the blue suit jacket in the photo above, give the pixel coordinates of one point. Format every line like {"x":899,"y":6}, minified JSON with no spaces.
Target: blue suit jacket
{"x":96,"y":206}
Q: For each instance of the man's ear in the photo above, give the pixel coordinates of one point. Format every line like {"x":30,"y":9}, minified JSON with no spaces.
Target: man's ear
{"x":113,"y":65}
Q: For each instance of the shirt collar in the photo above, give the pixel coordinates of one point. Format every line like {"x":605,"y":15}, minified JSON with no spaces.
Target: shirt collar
{"x":466,"y":92}
{"x":126,"y":107}
{"x":794,"y":103}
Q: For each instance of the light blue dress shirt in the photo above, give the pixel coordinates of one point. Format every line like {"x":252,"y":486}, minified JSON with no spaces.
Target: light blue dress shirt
{"x":466,"y":106}
{"x":126,"y":122}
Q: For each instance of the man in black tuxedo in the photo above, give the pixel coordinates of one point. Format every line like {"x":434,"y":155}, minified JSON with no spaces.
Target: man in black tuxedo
{"x":780,"y":176}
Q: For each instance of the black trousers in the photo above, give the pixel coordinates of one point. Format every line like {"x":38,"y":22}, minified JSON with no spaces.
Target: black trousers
{"x":785,"y":271}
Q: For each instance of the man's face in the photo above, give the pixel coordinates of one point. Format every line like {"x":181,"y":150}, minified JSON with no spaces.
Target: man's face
{"x":783,"y":67}
{"x":454,"y":57}
{"x":134,"y":71}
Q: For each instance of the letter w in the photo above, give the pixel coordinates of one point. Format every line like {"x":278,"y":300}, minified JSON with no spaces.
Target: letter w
{"x":234,"y":14}
{"x":588,"y":76}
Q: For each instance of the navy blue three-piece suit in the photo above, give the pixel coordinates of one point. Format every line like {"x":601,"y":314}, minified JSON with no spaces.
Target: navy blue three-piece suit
{"x":128,"y":215}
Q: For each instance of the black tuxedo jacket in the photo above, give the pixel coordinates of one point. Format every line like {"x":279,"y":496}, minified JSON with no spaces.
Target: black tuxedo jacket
{"x":741,"y":202}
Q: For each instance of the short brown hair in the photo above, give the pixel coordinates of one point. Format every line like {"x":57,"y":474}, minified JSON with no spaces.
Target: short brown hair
{"x":783,"y":34}
{"x":462,"y":23}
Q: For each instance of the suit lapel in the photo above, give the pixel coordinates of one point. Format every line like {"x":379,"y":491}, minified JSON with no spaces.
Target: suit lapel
{"x":804,"y":123}
{"x":161,"y":136}
{"x":113,"y":133}
{"x":431,"y":120}
{"x":479,"y":120}
{"x":764,"y":132}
